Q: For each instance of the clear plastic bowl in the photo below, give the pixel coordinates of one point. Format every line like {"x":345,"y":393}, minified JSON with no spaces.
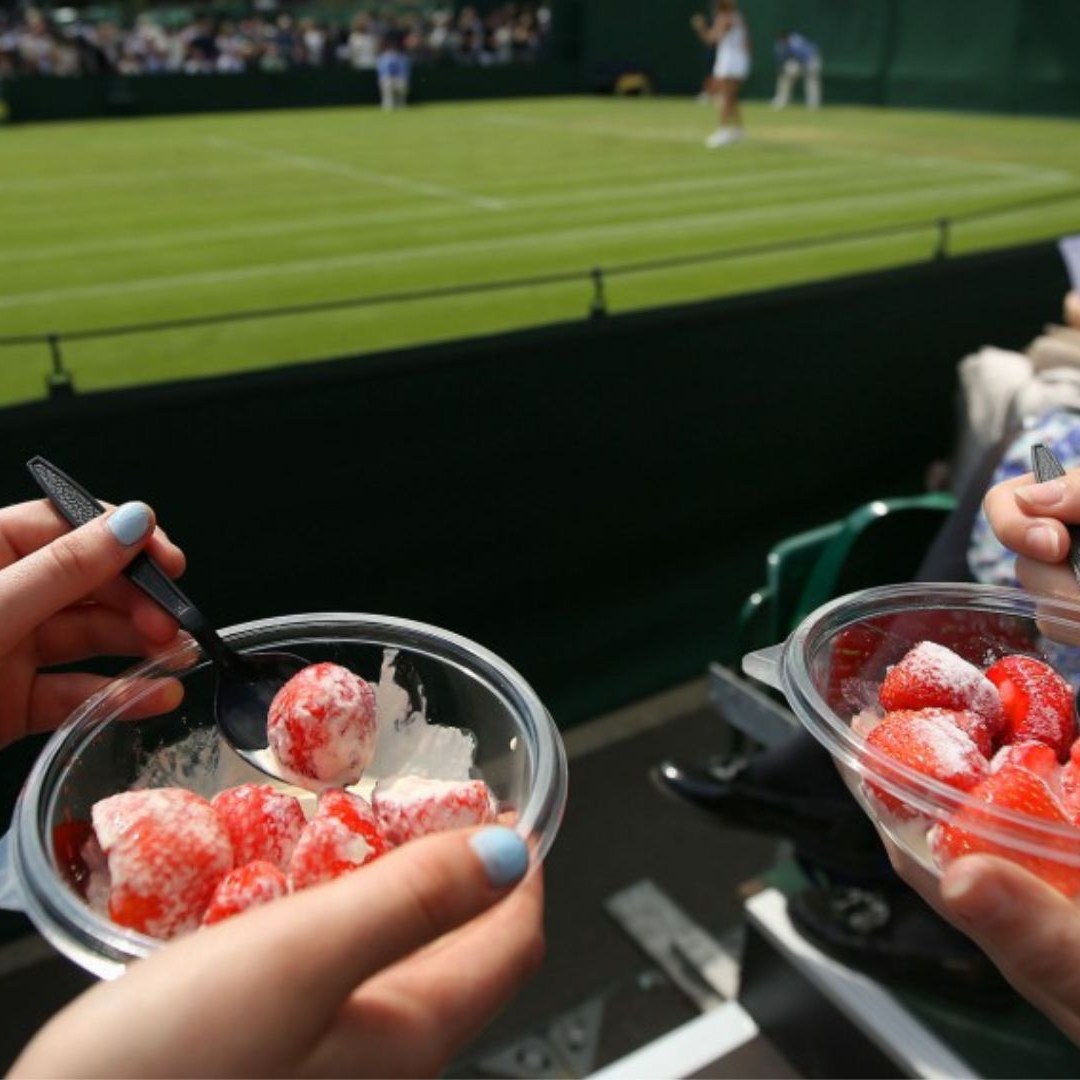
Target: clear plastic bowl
{"x":103,"y":748}
{"x":830,"y":668}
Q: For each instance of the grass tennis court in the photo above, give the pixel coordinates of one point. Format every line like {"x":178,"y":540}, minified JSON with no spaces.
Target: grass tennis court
{"x":104,"y":223}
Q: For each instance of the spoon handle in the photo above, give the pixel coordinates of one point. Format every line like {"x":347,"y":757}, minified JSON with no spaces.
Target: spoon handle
{"x":1047,"y":467}
{"x":77,"y":506}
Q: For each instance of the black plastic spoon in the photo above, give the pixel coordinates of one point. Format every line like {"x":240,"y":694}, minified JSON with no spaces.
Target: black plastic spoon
{"x":1047,"y":467}
{"x":246,"y":682}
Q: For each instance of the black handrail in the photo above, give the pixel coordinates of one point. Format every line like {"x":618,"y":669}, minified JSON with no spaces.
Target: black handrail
{"x":595,"y":276}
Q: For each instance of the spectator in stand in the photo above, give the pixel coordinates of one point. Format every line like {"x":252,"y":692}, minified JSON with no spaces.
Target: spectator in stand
{"x":797,"y":57}
{"x":32,"y":44}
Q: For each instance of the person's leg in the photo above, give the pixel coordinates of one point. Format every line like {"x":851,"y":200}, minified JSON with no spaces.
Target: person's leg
{"x":723,"y":134}
{"x":386,"y":92}
{"x":813,"y":84}
{"x":784,"y":83}
{"x":734,"y":114}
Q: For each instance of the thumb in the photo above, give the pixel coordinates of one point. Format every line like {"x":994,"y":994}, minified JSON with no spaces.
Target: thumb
{"x":69,"y":568}
{"x":1030,"y":931}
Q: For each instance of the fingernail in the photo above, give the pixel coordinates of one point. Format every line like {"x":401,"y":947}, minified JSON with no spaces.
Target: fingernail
{"x":1043,"y":543}
{"x":130,"y":523}
{"x":1046,"y":494}
{"x":969,"y":894}
{"x":503,"y":853}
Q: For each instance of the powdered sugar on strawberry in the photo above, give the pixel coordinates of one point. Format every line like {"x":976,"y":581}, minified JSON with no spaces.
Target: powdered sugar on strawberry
{"x":166,"y":851}
{"x":408,"y":807}
{"x":246,"y":887}
{"x":322,"y":724}
{"x":342,"y":836}
{"x":263,"y":824}
{"x":933,"y":676}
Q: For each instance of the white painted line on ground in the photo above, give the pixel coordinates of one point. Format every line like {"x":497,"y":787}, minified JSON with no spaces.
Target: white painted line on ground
{"x":75,"y":182}
{"x":769,"y":139}
{"x":663,"y":225}
{"x":352,"y":172}
{"x":880,"y":1016}
{"x":309,"y":226}
{"x":687,"y":1049}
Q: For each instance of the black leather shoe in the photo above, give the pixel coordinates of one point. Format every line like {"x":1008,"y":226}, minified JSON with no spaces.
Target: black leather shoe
{"x":831,"y":835}
{"x":894,"y":936}
{"x":724,"y":790}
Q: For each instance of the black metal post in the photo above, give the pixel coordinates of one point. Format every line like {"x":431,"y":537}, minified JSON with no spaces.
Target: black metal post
{"x":59,"y":383}
{"x":942,"y":252}
{"x":598,"y":308}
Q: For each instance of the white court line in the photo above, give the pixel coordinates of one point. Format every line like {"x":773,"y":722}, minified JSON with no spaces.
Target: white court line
{"x":665,"y":226}
{"x":667,"y":135}
{"x":76,"y":181}
{"x":308,"y":226}
{"x":351,"y":172}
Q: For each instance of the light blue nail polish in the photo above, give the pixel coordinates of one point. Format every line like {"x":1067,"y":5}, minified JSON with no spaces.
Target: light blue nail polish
{"x":130,"y":522}
{"x":503,"y":853}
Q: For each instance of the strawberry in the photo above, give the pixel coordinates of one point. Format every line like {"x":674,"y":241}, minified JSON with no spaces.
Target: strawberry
{"x":851,"y":655}
{"x":1038,"y":703}
{"x":932,"y":676}
{"x":412,"y":806}
{"x":247,"y":886}
{"x":263,"y":824}
{"x":342,"y":836}
{"x":1069,"y":784}
{"x":69,"y":837}
{"x":321,"y":724}
{"x":1036,"y":757}
{"x":166,"y":852}
{"x":1020,"y":791}
{"x":929,"y":742}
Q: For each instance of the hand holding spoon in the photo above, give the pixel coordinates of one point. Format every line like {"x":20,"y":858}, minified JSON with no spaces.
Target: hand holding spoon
{"x":246,"y":682}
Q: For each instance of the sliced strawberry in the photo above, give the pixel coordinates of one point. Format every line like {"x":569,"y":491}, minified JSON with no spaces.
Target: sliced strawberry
{"x":342,"y":836}
{"x":932,"y":676}
{"x":322,"y":724}
{"x":412,"y":806}
{"x":248,"y":886}
{"x":166,"y":852}
{"x":929,"y":742}
{"x":1069,"y":784}
{"x":1036,"y":757}
{"x":1038,"y":703}
{"x":1020,"y":791}
{"x":263,"y":824}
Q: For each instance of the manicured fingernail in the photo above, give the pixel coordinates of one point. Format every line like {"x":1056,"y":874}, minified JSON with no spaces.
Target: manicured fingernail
{"x":1043,"y":495}
{"x":130,"y":523}
{"x":969,"y":895}
{"x":1044,"y":543}
{"x":503,"y":853}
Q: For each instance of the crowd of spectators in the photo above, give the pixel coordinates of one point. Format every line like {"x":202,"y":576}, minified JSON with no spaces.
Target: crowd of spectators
{"x":35,"y":42}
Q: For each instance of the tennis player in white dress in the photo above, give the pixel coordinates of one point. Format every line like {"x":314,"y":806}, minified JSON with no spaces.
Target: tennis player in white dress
{"x":729,"y":34}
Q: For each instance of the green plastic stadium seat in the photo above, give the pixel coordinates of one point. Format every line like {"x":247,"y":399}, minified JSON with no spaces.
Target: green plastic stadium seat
{"x":878,"y":544}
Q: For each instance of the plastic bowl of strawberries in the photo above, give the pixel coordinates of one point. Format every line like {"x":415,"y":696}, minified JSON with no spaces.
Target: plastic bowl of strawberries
{"x":950,"y":712}
{"x":139,"y":823}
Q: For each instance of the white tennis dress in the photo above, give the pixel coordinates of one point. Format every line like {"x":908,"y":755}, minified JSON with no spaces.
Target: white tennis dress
{"x":732,"y":53}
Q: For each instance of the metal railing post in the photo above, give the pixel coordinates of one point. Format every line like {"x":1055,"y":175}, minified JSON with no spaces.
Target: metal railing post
{"x":59,"y":382}
{"x":598,"y":307}
{"x":943,"y":226}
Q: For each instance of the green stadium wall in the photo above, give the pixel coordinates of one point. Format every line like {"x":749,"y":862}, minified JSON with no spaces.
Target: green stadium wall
{"x":1003,"y":55}
{"x":1008,"y":55}
{"x":40,"y":98}
{"x":592,"y":500}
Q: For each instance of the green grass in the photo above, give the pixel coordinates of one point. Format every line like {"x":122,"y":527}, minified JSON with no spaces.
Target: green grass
{"x":107,"y":223}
